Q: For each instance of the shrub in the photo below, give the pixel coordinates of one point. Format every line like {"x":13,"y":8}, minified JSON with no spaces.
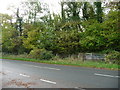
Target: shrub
{"x":41,"y":54}
{"x":46,"y":55}
{"x":113,"y":57}
{"x":56,"y":57}
{"x":35,"y":53}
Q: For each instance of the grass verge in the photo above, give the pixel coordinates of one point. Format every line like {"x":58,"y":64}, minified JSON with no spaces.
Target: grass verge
{"x":92,"y":64}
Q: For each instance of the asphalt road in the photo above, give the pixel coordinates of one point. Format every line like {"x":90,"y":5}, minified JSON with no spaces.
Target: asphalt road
{"x":21,"y":74}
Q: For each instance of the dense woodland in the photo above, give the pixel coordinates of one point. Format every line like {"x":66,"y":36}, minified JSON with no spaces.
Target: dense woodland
{"x":80,"y":27}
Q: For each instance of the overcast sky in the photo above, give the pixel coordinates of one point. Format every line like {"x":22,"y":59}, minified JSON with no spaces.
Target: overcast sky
{"x":53,"y":4}
{"x":4,"y":5}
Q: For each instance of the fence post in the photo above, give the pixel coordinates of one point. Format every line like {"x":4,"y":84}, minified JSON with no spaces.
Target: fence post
{"x":83,"y":57}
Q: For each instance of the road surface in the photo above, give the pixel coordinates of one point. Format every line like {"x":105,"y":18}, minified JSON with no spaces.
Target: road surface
{"x":21,"y":74}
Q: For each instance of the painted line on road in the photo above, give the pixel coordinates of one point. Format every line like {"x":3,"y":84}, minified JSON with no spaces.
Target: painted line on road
{"x":79,"y":88}
{"x":8,"y":71}
{"x":48,"y":81}
{"x":43,"y":67}
{"x":24,"y":75}
{"x":106,"y":75}
{"x":47,"y":68}
{"x":11,"y":72}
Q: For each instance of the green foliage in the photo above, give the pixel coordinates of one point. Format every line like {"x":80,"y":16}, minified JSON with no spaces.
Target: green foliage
{"x":92,"y":39}
{"x":69,"y":61}
{"x":11,"y":41}
{"x":88,"y":11}
{"x":46,"y":55}
{"x":41,"y":54}
{"x":35,"y":53}
{"x":113,"y":57}
{"x":72,"y":10}
{"x":101,"y":36}
{"x":7,"y":34}
{"x":99,"y":12}
{"x":111,"y":30}
{"x":39,"y":37}
{"x":67,"y":42}
{"x":91,"y":32}
{"x":56,"y":57}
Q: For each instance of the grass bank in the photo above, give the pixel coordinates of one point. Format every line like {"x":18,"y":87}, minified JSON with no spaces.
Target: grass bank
{"x":69,"y":61}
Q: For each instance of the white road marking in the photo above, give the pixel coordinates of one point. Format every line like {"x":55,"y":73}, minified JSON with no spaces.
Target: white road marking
{"x":106,"y":75}
{"x":12,"y":72}
{"x":47,"y":68}
{"x":8,"y":71}
{"x":43,"y":67}
{"x":48,"y":81}
{"x":79,"y":88}
{"x":24,"y":75}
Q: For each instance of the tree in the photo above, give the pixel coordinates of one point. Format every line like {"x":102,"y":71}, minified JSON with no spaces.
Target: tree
{"x":99,"y":12}
{"x":72,"y":10}
{"x":19,"y":23}
{"x":85,"y":14}
{"x":92,"y":40}
{"x":33,"y":10}
{"x":11,"y":41}
{"x":112,"y":30}
{"x":62,"y":11}
{"x":88,"y":11}
{"x":69,"y":32}
{"x":8,"y":32}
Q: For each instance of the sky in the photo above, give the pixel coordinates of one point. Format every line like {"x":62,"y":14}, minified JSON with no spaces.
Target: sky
{"x":5,"y":4}
{"x":53,"y":5}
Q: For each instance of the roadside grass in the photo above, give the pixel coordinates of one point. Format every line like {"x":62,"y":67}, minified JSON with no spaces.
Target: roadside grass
{"x":68,"y":61}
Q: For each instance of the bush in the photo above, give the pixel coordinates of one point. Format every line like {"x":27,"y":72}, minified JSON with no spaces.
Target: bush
{"x":41,"y":54}
{"x":56,"y":57}
{"x":113,"y":57}
{"x":46,"y":55}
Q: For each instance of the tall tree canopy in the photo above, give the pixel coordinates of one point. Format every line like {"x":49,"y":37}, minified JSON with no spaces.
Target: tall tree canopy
{"x":80,"y":27}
